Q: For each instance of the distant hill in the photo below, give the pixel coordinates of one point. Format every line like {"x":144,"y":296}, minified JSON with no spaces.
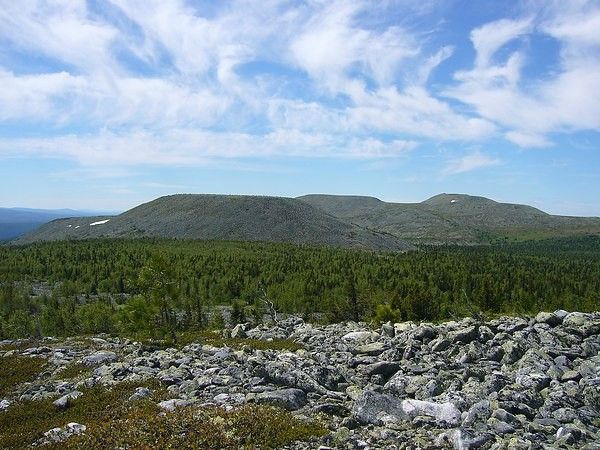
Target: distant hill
{"x":452,"y":218}
{"x":222,"y":217}
{"x":17,"y":221}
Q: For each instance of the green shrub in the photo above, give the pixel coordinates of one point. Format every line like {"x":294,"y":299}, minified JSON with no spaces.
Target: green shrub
{"x":385,"y":313}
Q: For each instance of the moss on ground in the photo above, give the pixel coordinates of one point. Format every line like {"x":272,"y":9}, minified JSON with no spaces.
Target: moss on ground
{"x":214,"y":338}
{"x":15,"y":370}
{"x":114,"y":422}
{"x":25,"y":422}
{"x":249,"y":426}
{"x":74,"y":370}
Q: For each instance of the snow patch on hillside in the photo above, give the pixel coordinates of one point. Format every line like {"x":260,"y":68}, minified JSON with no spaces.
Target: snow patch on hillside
{"x":100,"y":222}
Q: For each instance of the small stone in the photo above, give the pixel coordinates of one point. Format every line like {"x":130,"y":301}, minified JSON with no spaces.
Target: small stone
{"x":570,"y":375}
{"x":172,"y":404}
{"x":238,"y":332}
{"x":65,"y":401}
{"x":57,"y":435}
{"x":4,"y":404}
{"x":388,"y":330}
{"x":140,"y":393}
{"x":512,"y":352}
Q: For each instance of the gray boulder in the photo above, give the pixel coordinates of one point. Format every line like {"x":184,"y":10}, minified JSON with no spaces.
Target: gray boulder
{"x":65,"y":401}
{"x":443,"y":413}
{"x":290,"y":399}
{"x":374,"y":408}
{"x":100,"y":357}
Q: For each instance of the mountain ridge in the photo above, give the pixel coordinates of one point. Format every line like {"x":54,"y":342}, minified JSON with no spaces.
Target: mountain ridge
{"x":453,"y":218}
{"x":16,"y":221}
{"x":323,"y":219}
{"x":222,"y":217}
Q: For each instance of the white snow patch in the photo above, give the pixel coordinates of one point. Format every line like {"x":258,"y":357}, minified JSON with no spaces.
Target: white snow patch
{"x":69,"y":226}
{"x":77,"y":226}
{"x":452,"y":201}
{"x":100,"y":222}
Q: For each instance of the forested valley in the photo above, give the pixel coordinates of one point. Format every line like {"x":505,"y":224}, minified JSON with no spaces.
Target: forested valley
{"x":164,"y":286}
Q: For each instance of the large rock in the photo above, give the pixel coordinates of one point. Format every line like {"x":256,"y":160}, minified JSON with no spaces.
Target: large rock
{"x":98,"y":358}
{"x":443,"y":413}
{"x":360,"y":336}
{"x":374,"y":408}
{"x":372,"y":349}
{"x":58,"y":434}
{"x":548,"y":318}
{"x":464,"y":335}
{"x":290,"y":399}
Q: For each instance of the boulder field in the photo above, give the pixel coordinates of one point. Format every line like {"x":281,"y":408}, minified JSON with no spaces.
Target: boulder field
{"x":507,"y":383}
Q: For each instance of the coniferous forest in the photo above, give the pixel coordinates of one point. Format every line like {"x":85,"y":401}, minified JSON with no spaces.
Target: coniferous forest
{"x":160,"y":286}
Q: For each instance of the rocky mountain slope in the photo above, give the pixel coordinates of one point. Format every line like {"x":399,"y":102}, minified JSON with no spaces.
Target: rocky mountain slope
{"x":222,"y":217}
{"x":509,"y":383}
{"x":17,"y":221}
{"x":452,"y":218}
{"x":347,"y":221}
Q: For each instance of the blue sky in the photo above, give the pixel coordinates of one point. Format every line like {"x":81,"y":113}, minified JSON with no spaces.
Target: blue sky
{"x":107,"y":104}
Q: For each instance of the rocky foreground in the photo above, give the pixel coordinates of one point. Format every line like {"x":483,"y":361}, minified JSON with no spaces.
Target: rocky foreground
{"x":509,"y":383}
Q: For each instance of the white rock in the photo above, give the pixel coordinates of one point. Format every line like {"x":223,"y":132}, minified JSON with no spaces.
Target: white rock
{"x":360,"y":336}
{"x":445,"y":412}
{"x":4,"y":404}
{"x":170,"y":405}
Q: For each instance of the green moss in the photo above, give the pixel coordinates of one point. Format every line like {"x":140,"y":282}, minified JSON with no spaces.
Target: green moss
{"x":114,"y":422}
{"x":249,"y":426}
{"x":25,"y":422}
{"x":15,"y":370}
{"x":213,"y":337}
{"x":19,"y":345}
{"x":74,"y":370}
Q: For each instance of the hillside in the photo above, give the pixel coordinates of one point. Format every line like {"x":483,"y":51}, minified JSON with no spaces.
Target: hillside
{"x":221,"y":217}
{"x":17,"y":221}
{"x":452,"y":218}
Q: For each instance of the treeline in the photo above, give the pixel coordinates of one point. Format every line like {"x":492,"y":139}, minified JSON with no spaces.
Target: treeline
{"x":125,"y":286}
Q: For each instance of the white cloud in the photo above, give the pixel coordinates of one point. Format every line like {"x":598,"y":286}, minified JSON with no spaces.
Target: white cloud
{"x":489,"y":38}
{"x":330,"y":46}
{"x":530,"y":140}
{"x":168,"y":68}
{"x":527,"y":110}
{"x":178,"y":147}
{"x":469,"y":162}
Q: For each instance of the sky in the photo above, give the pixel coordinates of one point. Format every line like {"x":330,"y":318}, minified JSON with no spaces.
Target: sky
{"x":108,"y":104}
